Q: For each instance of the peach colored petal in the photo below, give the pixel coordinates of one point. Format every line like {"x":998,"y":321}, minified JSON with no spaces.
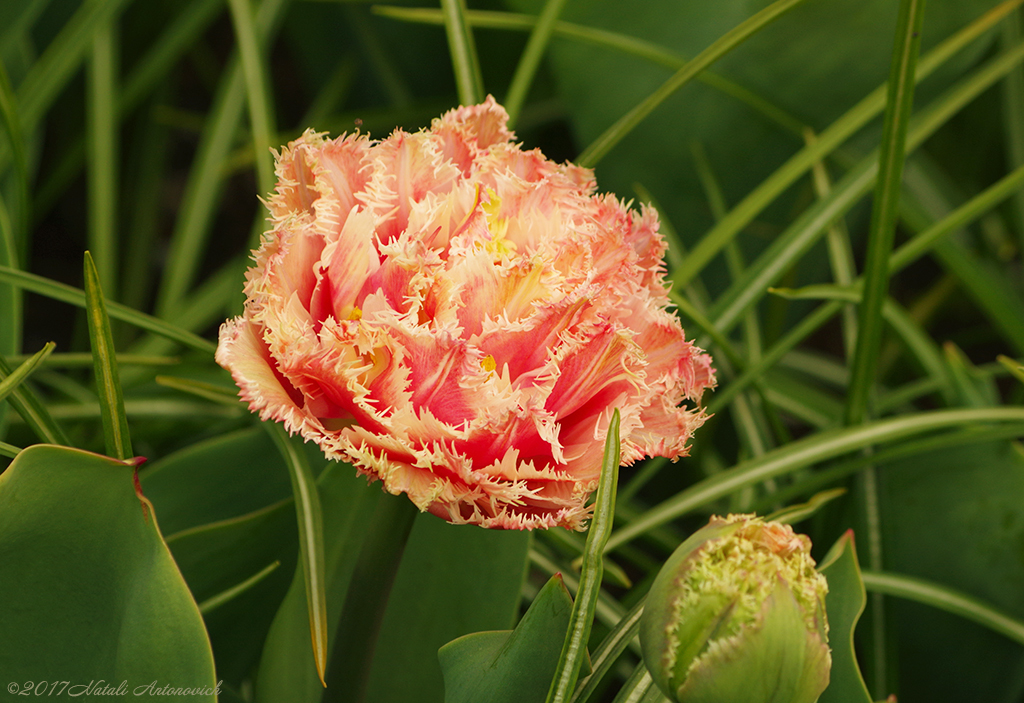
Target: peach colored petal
{"x":458,"y":317}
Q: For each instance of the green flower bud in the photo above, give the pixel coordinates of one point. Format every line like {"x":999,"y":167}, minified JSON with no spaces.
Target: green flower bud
{"x":737,"y":615}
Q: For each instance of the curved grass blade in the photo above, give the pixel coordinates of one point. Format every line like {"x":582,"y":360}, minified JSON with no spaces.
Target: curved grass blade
{"x":311,"y":540}
{"x":102,"y":156}
{"x":116,"y":436}
{"x":261,"y":116}
{"x":464,"y":58}
{"x":574,"y":648}
{"x":947,"y":599}
{"x":207,"y":174}
{"x":12,"y":380}
{"x":33,"y":412}
{"x":530,"y":60}
{"x":723,"y":45}
{"x":807,"y":452}
{"x":9,"y":450}
{"x":646,"y":50}
{"x":885,"y":210}
{"x":220,"y":599}
{"x":75,"y":296}
{"x":51,"y":72}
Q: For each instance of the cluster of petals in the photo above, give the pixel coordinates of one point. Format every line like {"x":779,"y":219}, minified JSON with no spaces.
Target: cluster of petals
{"x":458,"y":318}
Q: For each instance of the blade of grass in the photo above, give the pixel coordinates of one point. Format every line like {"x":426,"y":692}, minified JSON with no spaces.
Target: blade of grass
{"x":837,"y":133}
{"x":214,"y":602}
{"x":24,"y":370}
{"x":1013,"y":115}
{"x":116,"y":436}
{"x":51,"y":71}
{"x":465,"y":62}
{"x":723,"y":45}
{"x":9,"y":450}
{"x":17,"y":231}
{"x":526,"y":69}
{"x":805,"y":452}
{"x":102,"y":151}
{"x":206,"y":176}
{"x":947,"y":599}
{"x":10,"y":295}
{"x":75,"y":296}
{"x":885,"y":210}
{"x":603,"y":38}
{"x":33,"y":412}
{"x":261,"y":115}
{"x":580,"y":621}
{"x":311,"y":540}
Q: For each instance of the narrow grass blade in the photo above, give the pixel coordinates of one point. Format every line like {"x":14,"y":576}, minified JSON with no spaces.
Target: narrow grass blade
{"x":885,"y":210}
{"x":223,"y":597}
{"x":206,"y":175}
{"x":802,"y":453}
{"x":75,"y":296}
{"x":464,"y":58}
{"x":311,"y":540}
{"x":261,"y":116}
{"x":51,"y":72}
{"x":726,"y":43}
{"x":108,"y":383}
{"x":22,"y":215}
{"x":9,"y":450}
{"x":102,"y":152}
{"x":210,"y":391}
{"x":947,"y":599}
{"x":33,"y":412}
{"x":11,"y":381}
{"x":633,"y":46}
{"x":574,"y":648}
{"x":530,"y":60}
{"x":10,"y":295}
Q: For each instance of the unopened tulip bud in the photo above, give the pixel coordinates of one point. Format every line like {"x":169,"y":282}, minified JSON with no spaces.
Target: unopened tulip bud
{"x":737,"y":616}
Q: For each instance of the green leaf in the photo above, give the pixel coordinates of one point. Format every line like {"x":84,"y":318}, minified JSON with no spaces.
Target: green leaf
{"x":575,"y":646}
{"x":311,"y":539}
{"x":287,"y":670}
{"x":463,"y":50}
{"x":510,"y":667}
{"x":108,"y":383}
{"x":453,"y":580}
{"x":216,"y":558}
{"x":844,"y":604}
{"x":221,"y":478}
{"x":88,"y":580}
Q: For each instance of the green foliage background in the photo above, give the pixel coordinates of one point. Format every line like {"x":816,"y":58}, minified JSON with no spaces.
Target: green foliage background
{"x":141,"y":132}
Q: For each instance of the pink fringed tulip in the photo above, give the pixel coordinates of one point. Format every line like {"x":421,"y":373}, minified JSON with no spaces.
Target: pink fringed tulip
{"x":458,"y":317}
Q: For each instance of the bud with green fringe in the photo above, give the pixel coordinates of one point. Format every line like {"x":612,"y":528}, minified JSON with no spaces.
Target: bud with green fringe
{"x":737,"y":615}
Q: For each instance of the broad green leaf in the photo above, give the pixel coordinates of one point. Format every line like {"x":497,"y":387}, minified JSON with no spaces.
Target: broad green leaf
{"x":510,"y":667}
{"x":217,"y":557}
{"x":844,"y":605}
{"x":453,"y":580}
{"x":90,"y":589}
{"x":954,"y":517}
{"x":218,"y":479}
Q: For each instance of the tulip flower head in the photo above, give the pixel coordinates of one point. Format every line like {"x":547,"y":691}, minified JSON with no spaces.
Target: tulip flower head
{"x":737,"y":615}
{"x":457,"y":317}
